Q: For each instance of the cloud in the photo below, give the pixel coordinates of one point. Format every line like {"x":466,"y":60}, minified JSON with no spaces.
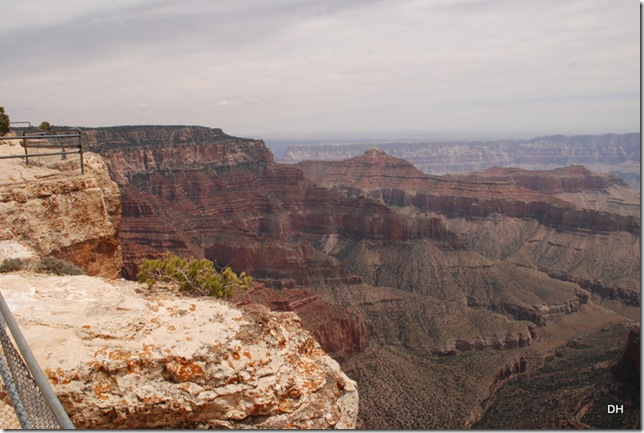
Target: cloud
{"x":290,"y":65}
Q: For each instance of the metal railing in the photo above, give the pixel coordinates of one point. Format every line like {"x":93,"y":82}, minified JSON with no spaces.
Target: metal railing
{"x":62,"y":139}
{"x":31,"y":395}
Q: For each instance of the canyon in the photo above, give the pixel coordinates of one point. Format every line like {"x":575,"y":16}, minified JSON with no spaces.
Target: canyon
{"x":121,"y":355}
{"x":432,"y":292}
{"x":618,"y":154}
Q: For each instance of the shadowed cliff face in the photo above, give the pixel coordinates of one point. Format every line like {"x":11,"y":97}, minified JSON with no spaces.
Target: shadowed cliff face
{"x":455,"y":281}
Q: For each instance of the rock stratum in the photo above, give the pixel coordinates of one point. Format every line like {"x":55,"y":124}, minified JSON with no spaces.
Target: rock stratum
{"x":61,"y":213}
{"x":432,"y":291}
{"x":118,"y":357}
{"x":608,"y":153}
{"x":513,"y":192}
{"x":516,"y":216}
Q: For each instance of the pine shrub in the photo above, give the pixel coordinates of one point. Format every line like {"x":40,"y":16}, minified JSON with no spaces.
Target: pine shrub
{"x":5,"y":123}
{"x":196,"y":277}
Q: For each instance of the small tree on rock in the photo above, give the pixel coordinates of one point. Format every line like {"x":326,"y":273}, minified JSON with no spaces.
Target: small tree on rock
{"x":4,"y":122}
{"x":195,"y":277}
{"x":45,"y":126}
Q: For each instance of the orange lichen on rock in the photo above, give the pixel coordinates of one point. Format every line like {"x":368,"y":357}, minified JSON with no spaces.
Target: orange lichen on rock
{"x":182,"y":370}
{"x":102,"y":388}
{"x":119,"y":355}
{"x":226,"y":368}
{"x":57,"y":376}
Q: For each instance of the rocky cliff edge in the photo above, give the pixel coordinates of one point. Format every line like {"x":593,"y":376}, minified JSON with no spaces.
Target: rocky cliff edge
{"x":62,"y":213}
{"x":119,"y":356}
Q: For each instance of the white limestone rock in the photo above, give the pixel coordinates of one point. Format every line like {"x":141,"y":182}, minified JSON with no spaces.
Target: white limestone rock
{"x":120,"y":359}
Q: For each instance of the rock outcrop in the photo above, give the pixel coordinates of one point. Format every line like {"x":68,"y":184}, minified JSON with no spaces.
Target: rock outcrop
{"x":495,"y":212}
{"x":339,"y":332}
{"x":67,"y":215}
{"x":119,"y":358}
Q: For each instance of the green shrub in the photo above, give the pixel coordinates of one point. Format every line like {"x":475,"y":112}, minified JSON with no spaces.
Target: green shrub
{"x":5,"y":123}
{"x":195,"y":277}
{"x":53,"y":265}
{"x":13,"y":264}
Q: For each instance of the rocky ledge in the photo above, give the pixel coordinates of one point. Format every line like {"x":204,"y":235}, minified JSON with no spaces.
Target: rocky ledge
{"x":122,"y":357}
{"x":64,"y":214}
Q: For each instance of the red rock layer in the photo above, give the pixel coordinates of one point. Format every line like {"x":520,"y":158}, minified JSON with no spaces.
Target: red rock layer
{"x":196,"y":191}
{"x":573,"y":178}
{"x":512,"y":192}
{"x":339,"y":332}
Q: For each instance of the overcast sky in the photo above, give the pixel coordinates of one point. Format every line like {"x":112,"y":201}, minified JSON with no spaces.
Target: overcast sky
{"x":258,"y":67}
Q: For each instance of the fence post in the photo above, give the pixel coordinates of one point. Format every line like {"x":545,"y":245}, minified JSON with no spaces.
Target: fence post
{"x":24,"y":143}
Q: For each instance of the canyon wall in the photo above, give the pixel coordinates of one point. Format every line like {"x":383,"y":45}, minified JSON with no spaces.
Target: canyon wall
{"x":608,"y":153}
{"x":196,"y":191}
{"x":494,"y":213}
{"x":512,"y":192}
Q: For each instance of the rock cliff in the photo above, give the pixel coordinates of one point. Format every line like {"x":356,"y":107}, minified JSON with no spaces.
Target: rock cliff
{"x":340,"y":332}
{"x":516,"y":216}
{"x":609,"y":153}
{"x":197,"y":191}
{"x":65,"y":214}
{"x":575,"y":184}
{"x":512,"y":192}
{"x":121,"y":358}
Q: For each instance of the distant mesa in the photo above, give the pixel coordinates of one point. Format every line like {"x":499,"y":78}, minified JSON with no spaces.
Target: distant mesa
{"x":609,"y":153}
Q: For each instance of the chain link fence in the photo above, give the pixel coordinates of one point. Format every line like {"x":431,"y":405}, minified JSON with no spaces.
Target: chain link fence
{"x":26,"y":398}
{"x":34,"y":403}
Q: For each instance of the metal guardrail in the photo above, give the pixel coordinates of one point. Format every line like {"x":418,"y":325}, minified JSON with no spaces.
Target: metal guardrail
{"x":58,"y":138}
{"x":33,"y":400}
